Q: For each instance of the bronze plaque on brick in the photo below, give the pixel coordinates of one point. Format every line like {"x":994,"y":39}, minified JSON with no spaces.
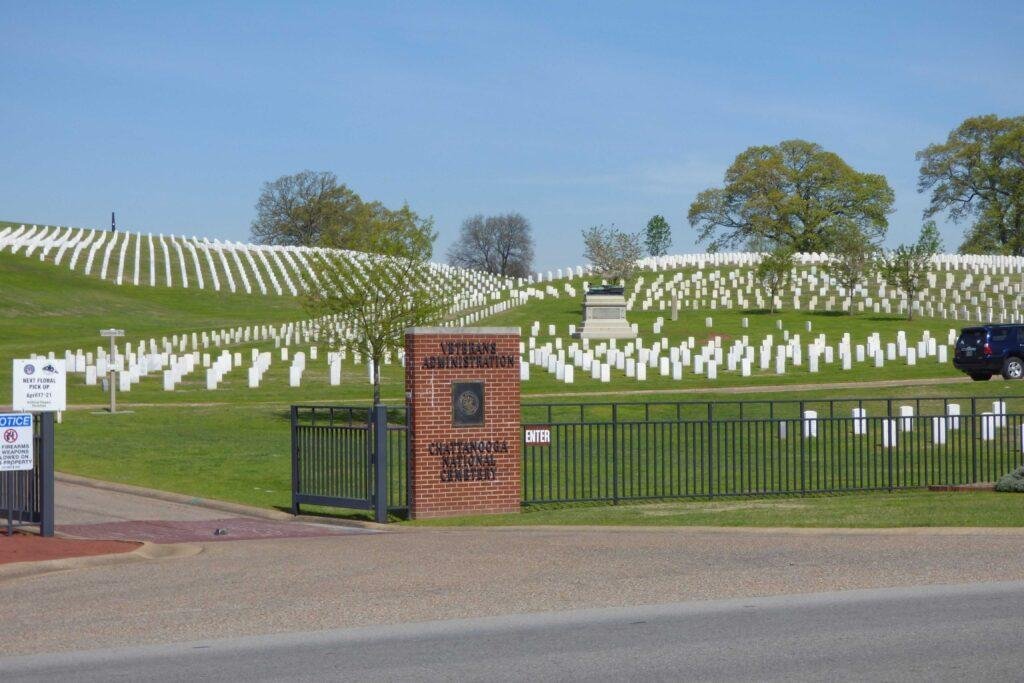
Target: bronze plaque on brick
{"x":467,"y":404}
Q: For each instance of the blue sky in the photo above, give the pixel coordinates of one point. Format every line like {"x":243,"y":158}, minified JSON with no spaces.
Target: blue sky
{"x":573,"y":114}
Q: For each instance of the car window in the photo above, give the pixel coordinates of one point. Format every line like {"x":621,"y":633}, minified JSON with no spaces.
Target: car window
{"x":1002,"y":334}
{"x":972,"y":337}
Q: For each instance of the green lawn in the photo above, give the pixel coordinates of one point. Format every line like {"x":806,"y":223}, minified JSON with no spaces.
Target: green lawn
{"x":240,"y":451}
{"x":56,"y":309}
{"x":727,"y":324}
{"x":233,"y":443}
{"x":867,"y":510}
{"x":51,"y":309}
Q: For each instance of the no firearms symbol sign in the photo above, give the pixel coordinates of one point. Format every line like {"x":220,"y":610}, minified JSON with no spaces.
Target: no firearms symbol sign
{"x":15,"y":441}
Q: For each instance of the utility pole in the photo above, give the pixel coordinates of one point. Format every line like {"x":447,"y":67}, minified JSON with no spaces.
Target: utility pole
{"x":111,"y":372}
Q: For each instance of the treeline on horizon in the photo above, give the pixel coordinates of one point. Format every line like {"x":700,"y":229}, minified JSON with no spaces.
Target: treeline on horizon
{"x":791,"y":196}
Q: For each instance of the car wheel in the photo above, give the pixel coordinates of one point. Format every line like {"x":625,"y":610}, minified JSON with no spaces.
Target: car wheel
{"x":1013,"y":368}
{"x":980,"y":377}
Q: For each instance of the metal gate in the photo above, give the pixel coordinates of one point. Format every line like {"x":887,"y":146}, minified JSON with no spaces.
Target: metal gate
{"x":26,"y":497}
{"x":350,"y":457}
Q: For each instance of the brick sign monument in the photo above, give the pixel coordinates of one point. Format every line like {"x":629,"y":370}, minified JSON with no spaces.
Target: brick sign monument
{"x":462,"y":389}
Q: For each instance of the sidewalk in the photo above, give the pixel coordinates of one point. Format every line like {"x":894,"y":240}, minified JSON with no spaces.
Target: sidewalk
{"x":104,"y":511}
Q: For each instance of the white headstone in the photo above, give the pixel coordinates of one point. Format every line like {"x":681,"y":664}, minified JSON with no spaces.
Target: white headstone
{"x":988,"y":426}
{"x":939,"y":430}
{"x":906,"y":418}
{"x":953,"y":411}
{"x":860,"y":423}
{"x":810,"y":423}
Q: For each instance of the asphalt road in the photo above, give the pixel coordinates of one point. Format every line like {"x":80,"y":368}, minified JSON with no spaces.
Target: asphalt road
{"x":958,"y":632}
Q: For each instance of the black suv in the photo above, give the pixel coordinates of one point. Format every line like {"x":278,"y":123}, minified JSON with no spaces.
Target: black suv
{"x":983,"y":351}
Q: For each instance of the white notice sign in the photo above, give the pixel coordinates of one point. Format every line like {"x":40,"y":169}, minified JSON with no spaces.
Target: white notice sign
{"x":15,"y":441}
{"x":40,"y":385}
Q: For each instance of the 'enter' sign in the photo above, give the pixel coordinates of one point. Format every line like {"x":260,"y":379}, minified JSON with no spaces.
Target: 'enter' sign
{"x":538,"y":436}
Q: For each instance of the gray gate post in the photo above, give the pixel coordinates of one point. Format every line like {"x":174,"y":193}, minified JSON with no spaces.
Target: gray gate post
{"x":46,"y":476}
{"x":380,"y":464}
{"x":294,"y":419}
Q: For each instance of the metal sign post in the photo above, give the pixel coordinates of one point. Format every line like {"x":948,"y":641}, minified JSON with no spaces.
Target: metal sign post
{"x":39,"y":392}
{"x":113,"y":333}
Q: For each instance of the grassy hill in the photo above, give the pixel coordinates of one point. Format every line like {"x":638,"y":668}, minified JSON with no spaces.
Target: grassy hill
{"x":232,"y":442}
{"x":727,"y":324}
{"x":51,"y":309}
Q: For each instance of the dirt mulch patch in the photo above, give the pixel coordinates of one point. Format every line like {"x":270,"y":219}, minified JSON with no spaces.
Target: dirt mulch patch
{"x":963,"y":488}
{"x":30,"y":548}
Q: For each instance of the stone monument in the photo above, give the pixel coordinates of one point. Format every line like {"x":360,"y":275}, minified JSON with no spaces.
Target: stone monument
{"x":604,"y":314}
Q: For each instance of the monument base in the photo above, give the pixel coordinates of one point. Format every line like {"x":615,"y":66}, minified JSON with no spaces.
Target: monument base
{"x":607,"y":329}
{"x":604,"y":314}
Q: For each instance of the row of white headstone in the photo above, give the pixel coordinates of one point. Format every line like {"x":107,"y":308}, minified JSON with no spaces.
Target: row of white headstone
{"x":891,"y":427}
{"x":126,"y":257}
{"x":674,"y":360}
{"x":984,"y":291}
{"x":977,"y":294}
{"x":236,"y":264}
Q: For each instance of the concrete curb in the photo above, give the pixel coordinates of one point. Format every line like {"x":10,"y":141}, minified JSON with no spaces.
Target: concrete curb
{"x":145,"y":552}
{"x":218,"y":505}
{"x":759,"y":530}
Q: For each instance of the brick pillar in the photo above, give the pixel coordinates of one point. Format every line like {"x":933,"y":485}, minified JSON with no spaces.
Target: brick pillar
{"x":462,"y":389}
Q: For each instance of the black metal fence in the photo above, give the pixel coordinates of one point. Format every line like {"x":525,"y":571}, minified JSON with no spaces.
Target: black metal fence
{"x":686,"y":449}
{"x":26,"y":496}
{"x":614,"y":452}
{"x":351,"y":457}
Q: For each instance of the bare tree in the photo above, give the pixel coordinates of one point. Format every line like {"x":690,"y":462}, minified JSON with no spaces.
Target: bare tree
{"x":303,"y":209}
{"x":614,"y":253}
{"x":500,"y":244}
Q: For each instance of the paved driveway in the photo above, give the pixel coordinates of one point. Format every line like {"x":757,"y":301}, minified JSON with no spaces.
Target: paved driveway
{"x":86,"y":512}
{"x":307,"y":584}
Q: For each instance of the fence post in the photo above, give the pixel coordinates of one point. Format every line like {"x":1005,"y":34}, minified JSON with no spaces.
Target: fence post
{"x":615,"y":454}
{"x":380,"y":464}
{"x":803,"y":468}
{"x":888,"y":424}
{"x":974,"y":441}
{"x":46,"y":475}
{"x":295,"y":459}
{"x":711,"y":451}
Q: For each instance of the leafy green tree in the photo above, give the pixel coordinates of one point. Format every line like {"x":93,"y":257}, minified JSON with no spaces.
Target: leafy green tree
{"x":794,"y":195}
{"x":376,"y":229}
{"x":906,"y":268}
{"x":774,"y":272}
{"x":366,"y":299}
{"x":978,"y":173}
{"x":312,"y":209}
{"x":658,"y":236}
{"x":852,"y":261}
{"x":613,"y":253}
